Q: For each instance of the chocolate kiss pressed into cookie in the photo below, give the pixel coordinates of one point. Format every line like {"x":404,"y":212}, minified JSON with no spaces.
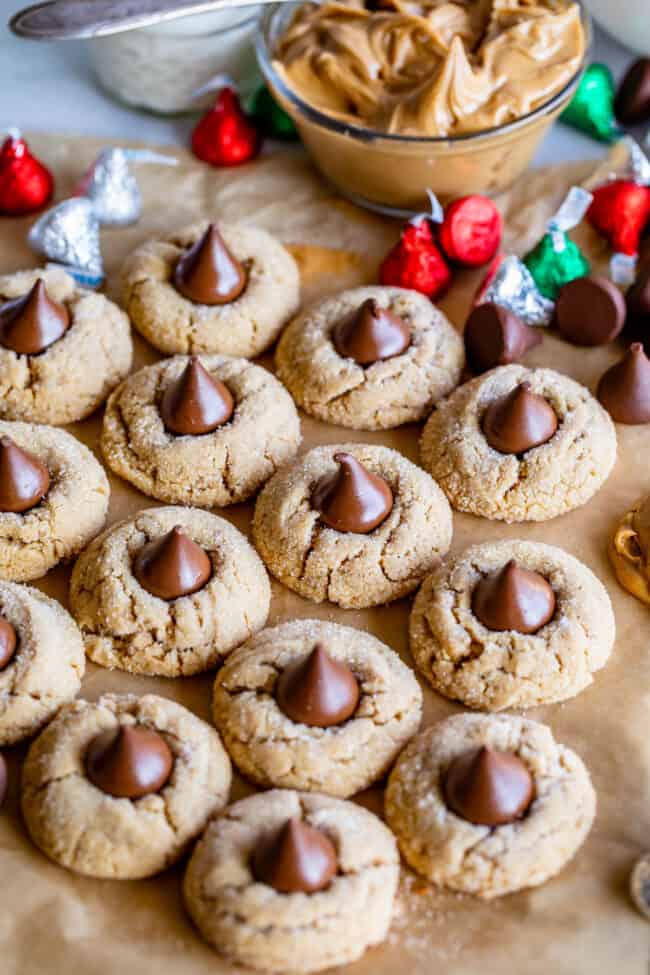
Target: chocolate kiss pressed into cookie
{"x":495,"y":336}
{"x":624,"y":390}
{"x":172,"y":566}
{"x":514,"y":599}
{"x":520,"y":421}
{"x":317,"y":690}
{"x":353,"y":499}
{"x":207,"y":273}
{"x":28,"y":325}
{"x":296,"y":859}
{"x":371,"y":333}
{"x":129,"y":762}
{"x":8,"y":642}
{"x":24,"y":480}
{"x":195,"y":403}
{"x":488,"y":787}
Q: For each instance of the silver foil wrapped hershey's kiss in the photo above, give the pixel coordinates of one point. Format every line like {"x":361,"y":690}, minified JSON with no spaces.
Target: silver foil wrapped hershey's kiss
{"x":113,"y":189}
{"x":513,"y":286}
{"x":68,"y":235}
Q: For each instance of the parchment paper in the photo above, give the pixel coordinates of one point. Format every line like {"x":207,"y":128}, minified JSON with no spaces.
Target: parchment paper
{"x":52,"y":921}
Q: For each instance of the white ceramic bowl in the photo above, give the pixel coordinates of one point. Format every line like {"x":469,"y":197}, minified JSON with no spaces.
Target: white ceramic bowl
{"x":626,"y":20}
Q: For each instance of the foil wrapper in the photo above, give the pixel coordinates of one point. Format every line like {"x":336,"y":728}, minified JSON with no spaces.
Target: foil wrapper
{"x":513,"y":286}
{"x":622,"y":269}
{"x":639,"y":164}
{"x":436,"y":212}
{"x":570,"y":214}
{"x":113,"y":189}
{"x":68,"y":235}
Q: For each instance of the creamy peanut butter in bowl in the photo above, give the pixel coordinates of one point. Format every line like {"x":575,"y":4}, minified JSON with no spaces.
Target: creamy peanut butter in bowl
{"x":394,"y":97}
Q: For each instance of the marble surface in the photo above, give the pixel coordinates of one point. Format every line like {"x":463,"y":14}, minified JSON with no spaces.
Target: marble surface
{"x":51,"y":87}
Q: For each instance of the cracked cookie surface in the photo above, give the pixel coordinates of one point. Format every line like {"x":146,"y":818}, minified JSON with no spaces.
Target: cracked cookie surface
{"x":488,"y":670}
{"x":480,"y":860}
{"x":545,"y":482}
{"x":75,"y":374}
{"x":128,"y":628}
{"x":388,"y":393}
{"x":350,"y":569}
{"x":251,"y":924}
{"x":46,"y":669}
{"x":244,"y":327}
{"x":73,"y":511}
{"x":82,"y":828}
{"x":272,"y":750}
{"x":214,"y":469}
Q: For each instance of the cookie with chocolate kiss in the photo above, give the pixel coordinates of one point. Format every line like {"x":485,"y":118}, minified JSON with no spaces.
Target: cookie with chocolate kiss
{"x":371,"y":334}
{"x":24,"y":479}
{"x":196,"y":403}
{"x":514,"y":598}
{"x":495,"y":336}
{"x":8,"y":642}
{"x":632,"y":105}
{"x":488,"y":787}
{"x":30,"y":324}
{"x":590,"y":311}
{"x":208,"y":273}
{"x":130,"y":762}
{"x":172,"y":566}
{"x":353,"y":499}
{"x":624,"y":390}
{"x":296,"y":859}
{"x":317,"y":690}
{"x":519,"y":421}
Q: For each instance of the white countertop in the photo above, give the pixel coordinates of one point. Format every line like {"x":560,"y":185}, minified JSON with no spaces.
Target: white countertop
{"x":50,"y":87}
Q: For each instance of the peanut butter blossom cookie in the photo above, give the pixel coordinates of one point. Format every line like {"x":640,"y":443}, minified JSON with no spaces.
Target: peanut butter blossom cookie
{"x":488,"y":805}
{"x":42,"y":660}
{"x":316,"y":706}
{"x":371,"y":358}
{"x":206,"y":289}
{"x":53,"y":499}
{"x":519,"y":444}
{"x":511,"y":625}
{"x":355,"y":524}
{"x":293,"y":882}
{"x":62,"y":348}
{"x":120,"y":787}
{"x":168,"y":592}
{"x":205,"y":431}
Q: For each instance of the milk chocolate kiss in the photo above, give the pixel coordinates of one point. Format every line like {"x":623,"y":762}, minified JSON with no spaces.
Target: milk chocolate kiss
{"x":30,"y":324}
{"x":129,"y":762}
{"x":371,"y":333}
{"x":195,"y":403}
{"x":624,"y":390}
{"x":495,"y":336}
{"x":8,"y":642}
{"x":296,"y":859}
{"x":520,"y":421}
{"x":317,"y":690}
{"x":353,"y":499}
{"x":514,"y":599}
{"x":24,"y":480}
{"x":488,"y":787}
{"x":172,"y":566}
{"x":207,"y":273}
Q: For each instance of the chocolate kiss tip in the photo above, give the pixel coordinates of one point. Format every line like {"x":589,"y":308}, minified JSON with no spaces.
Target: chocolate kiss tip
{"x":495,"y":336}
{"x":353,"y":499}
{"x":208,"y":273}
{"x":488,"y":787}
{"x":24,"y":480}
{"x":30,"y":324}
{"x":514,"y":599}
{"x":195,"y":403}
{"x":296,"y":859}
{"x":624,"y":390}
{"x":172,"y":566}
{"x":129,"y":762}
{"x":371,"y":334}
{"x":317,"y":690}
{"x":519,"y":421}
{"x":8,"y":642}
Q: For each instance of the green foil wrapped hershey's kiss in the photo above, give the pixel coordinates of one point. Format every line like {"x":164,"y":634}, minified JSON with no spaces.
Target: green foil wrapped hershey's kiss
{"x":592,"y":108}
{"x":271,"y":118}
{"x":556,"y":259}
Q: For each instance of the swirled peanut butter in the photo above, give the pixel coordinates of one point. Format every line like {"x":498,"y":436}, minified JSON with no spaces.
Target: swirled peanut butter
{"x":430,"y":67}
